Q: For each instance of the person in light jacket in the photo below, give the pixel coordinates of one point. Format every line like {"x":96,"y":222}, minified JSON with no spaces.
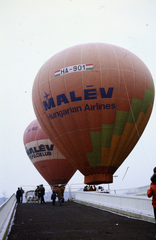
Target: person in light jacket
{"x":60,"y":193}
{"x":152,"y":193}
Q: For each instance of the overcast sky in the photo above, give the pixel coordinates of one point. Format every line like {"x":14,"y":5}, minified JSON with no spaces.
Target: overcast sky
{"x":32,"y":31}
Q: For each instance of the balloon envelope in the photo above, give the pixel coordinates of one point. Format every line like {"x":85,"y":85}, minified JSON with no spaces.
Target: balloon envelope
{"x":94,"y":101}
{"x":50,"y":163}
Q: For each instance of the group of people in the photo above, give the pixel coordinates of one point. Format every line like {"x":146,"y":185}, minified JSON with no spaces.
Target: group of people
{"x":89,"y":188}
{"x":151,"y":192}
{"x":59,"y":193}
{"x":39,"y":193}
{"x":19,"y":195}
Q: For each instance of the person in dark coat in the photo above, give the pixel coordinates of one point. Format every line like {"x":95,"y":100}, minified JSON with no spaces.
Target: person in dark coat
{"x":18,"y":195}
{"x":42,"y":193}
{"x":39,"y":193}
{"x":152,"y":193}
{"x":21,"y":198}
{"x":53,"y":197}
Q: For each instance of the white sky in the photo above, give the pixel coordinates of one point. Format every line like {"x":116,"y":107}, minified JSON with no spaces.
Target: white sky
{"x":34,"y":30}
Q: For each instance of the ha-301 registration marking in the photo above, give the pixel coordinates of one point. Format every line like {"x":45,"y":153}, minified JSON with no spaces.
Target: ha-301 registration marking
{"x":75,"y":68}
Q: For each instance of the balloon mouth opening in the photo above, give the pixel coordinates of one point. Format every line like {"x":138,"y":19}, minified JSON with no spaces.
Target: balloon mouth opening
{"x":98,"y":178}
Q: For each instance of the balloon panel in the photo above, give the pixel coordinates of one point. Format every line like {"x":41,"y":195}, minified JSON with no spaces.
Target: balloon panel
{"x":94,"y":104}
{"x":55,"y":172}
{"x":50,"y":163}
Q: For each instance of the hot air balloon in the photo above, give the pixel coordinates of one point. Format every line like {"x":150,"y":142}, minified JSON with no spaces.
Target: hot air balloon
{"x":50,"y":163}
{"x":94,"y":101}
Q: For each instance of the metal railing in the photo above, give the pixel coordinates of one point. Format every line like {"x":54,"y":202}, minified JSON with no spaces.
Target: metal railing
{"x":6,"y":212}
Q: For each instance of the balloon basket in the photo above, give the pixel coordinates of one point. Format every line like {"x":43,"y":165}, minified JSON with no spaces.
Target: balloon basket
{"x":98,"y":178}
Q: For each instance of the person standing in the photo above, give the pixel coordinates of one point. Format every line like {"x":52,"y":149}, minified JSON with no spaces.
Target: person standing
{"x":36,"y":193}
{"x":53,"y":197}
{"x":18,"y":195}
{"x":42,"y":193}
{"x":152,"y":193}
{"x":21,"y":198}
{"x":60,"y":192}
{"x":39,"y":193}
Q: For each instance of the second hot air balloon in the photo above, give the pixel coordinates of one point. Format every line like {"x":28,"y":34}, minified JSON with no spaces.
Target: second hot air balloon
{"x":50,"y":163}
{"x":94,"y":101}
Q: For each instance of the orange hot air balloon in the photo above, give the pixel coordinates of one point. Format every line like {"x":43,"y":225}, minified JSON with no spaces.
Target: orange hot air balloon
{"x":50,"y":163}
{"x":94,"y":101}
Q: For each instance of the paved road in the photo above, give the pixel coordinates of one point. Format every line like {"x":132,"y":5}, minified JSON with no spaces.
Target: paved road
{"x":75,"y":221}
